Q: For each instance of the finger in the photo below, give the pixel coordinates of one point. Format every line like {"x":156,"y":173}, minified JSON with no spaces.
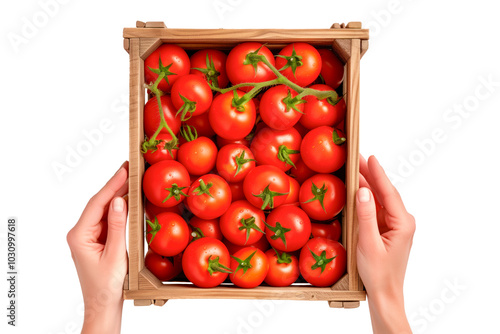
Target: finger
{"x":95,"y":208}
{"x":369,"y":236}
{"x":387,"y":194}
{"x":363,"y":182}
{"x":120,"y":193}
{"x":117,"y":221}
{"x":363,"y":168}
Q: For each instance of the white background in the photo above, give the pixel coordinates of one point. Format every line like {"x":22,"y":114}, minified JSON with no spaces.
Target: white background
{"x":425,"y":59}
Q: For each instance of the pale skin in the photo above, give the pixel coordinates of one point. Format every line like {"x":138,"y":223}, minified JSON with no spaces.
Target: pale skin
{"x":384,"y":245}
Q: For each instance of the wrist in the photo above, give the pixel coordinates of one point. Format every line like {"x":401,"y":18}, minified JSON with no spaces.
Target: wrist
{"x":388,"y":312}
{"x":102,"y":318}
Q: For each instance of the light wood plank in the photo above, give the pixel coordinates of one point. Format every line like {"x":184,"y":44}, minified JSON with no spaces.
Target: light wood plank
{"x":351,"y":304}
{"x":155,"y":24}
{"x":342,"y":284}
{"x":353,"y":25}
{"x":126,"y":44}
{"x":140,"y":24}
{"x":142,"y":302}
{"x":147,"y":46}
{"x":342,"y":48}
{"x":335,"y":304}
{"x":160,"y":302}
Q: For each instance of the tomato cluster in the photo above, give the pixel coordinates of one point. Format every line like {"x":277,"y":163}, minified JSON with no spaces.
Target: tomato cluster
{"x":245,"y":154}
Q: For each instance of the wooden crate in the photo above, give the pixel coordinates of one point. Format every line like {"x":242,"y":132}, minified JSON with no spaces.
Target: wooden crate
{"x":350,"y":42}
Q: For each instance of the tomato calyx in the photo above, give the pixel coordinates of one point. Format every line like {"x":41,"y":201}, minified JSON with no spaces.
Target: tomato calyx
{"x":249,"y":224}
{"x":292,"y":102}
{"x":240,"y":161}
{"x":211,"y":74}
{"x":197,"y":233}
{"x":253,"y":58}
{"x":187,"y":132}
{"x":321,"y":260}
{"x":215,"y":266}
{"x":279,"y":232}
{"x":284,"y":257}
{"x":152,"y":145}
{"x":333,"y":100}
{"x":175,"y":191}
{"x":319,"y":194}
{"x":188,"y":107}
{"x":267,"y":197}
{"x":243,"y":264}
{"x":293,"y":61}
{"x":337,"y":140}
{"x":284,"y":155}
{"x":165,"y":70}
{"x":203,"y":189}
{"x":155,"y":227}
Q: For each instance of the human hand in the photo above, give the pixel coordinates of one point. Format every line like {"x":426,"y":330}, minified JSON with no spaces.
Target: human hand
{"x":385,"y":239}
{"x":97,"y":244}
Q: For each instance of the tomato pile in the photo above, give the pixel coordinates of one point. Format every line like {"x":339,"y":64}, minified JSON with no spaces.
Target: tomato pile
{"x":245,"y":153}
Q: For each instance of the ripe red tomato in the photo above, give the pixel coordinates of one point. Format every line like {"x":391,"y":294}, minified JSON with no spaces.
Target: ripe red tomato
{"x":202,"y":228}
{"x":288,"y":228}
{"x":170,"y":59}
{"x":278,"y":108}
{"x":242,"y":224}
{"x":165,"y":183}
{"x":331,"y":230}
{"x":211,"y":65}
{"x":167,"y":234}
{"x":322,"y":196}
{"x":301,"y":172}
{"x":302,"y":129}
{"x":249,"y":266}
{"x":236,"y":191}
{"x":323,"y":151}
{"x":201,"y":124}
{"x":262,"y":244}
{"x":164,"y":268}
{"x":152,"y":116}
{"x":229,"y":122}
{"x":234,"y":162}
{"x":198,"y":156}
{"x":191,"y":96}
{"x":283,"y":268}
{"x":293,"y":195}
{"x":153,"y":210}
{"x":300,"y":63}
{"x":240,"y":71}
{"x":221,"y":142}
{"x":322,"y":261}
{"x":205,"y":262}
{"x":209,"y":196}
{"x":332,"y":69}
{"x":162,"y":151}
{"x":266,"y":187}
{"x":322,"y":112}
{"x":279,"y":148}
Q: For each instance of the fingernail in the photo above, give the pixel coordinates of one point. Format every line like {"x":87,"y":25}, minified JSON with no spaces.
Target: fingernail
{"x":363,"y":195}
{"x":117,"y":204}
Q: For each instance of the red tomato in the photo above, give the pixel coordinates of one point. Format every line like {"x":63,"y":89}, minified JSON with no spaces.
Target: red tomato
{"x":205,"y":228}
{"x":234,"y":162}
{"x":211,"y":65}
{"x":301,"y":172}
{"x":279,"y":109}
{"x":288,"y":228}
{"x":164,"y":268}
{"x":236,"y":191}
{"x":279,"y":148}
{"x":162,"y":151}
{"x":206,"y":262}
{"x":165,"y":183}
{"x":167,"y":234}
{"x":262,"y":244}
{"x":321,"y":153}
{"x":249,"y":266}
{"x":322,"y":261}
{"x":240,"y":71}
{"x":300,"y":63}
{"x":332,"y":69}
{"x":153,"y":210}
{"x":302,"y":129}
{"x":170,"y":59}
{"x":221,"y":142}
{"x":266,"y":187}
{"x":330,"y":231}
{"x":201,"y":124}
{"x":322,"y":196}
{"x":229,"y":122}
{"x":322,"y":112}
{"x":209,"y":197}
{"x":283,"y":268}
{"x":191,"y":96}
{"x":293,"y":195}
{"x":152,"y":116}
{"x":198,"y":156}
{"x":242,"y":224}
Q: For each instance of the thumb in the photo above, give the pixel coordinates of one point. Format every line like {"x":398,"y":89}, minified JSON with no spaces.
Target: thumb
{"x":369,"y":235}
{"x":117,"y":221}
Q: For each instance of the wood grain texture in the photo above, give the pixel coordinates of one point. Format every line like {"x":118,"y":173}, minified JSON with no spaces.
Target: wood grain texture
{"x":142,"y":302}
{"x":364,"y":47}
{"x":147,"y":46}
{"x":232,"y":36}
{"x":342,"y":48}
{"x":351,"y":304}
{"x":335,"y":304}
{"x":352,"y":163}
{"x":155,"y":24}
{"x":160,"y":302}
{"x":335,"y":26}
{"x":188,"y":291}
{"x":342,"y":284}
{"x":140,"y":24}
{"x":136,"y":165}
{"x":125,"y":283}
{"x":148,"y":281}
{"x":353,"y":25}
{"x":126,"y":44}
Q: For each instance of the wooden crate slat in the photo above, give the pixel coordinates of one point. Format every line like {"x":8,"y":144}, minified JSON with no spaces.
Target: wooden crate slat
{"x":342,"y":48}
{"x":142,"y":302}
{"x":342,"y":284}
{"x":160,"y":302}
{"x":140,"y":24}
{"x":155,"y":24}
{"x":147,"y":46}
